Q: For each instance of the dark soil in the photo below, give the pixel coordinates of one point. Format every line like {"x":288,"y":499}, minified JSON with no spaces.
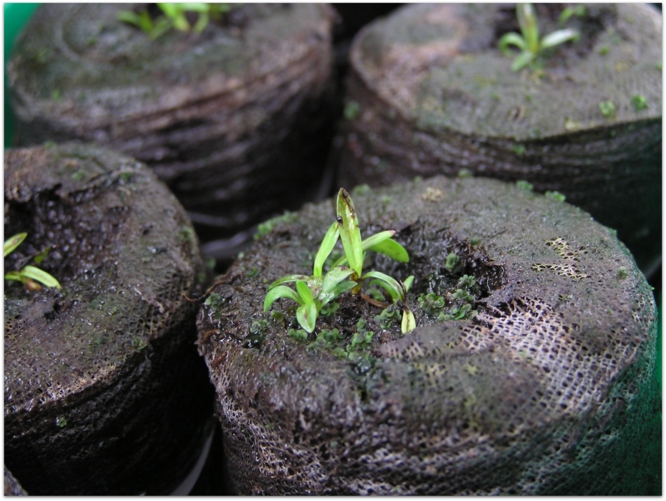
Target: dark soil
{"x":104,"y":391}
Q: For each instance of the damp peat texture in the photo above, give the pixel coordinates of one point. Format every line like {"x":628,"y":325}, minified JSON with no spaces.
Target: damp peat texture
{"x":549,"y":389}
{"x":430,"y":93}
{"x":235,"y":119}
{"x":104,"y":391}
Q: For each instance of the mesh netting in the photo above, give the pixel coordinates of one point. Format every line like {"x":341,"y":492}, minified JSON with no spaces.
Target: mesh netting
{"x":98,"y":374}
{"x":549,"y":389}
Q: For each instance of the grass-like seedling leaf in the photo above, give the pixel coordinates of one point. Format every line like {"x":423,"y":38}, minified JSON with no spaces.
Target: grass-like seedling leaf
{"x":13,"y":242}
{"x":325,"y":248}
{"x":40,"y":276}
{"x":29,"y":275}
{"x":318,"y":290}
{"x":350,"y":233}
{"x":529,"y":43}
{"x":278,"y":292}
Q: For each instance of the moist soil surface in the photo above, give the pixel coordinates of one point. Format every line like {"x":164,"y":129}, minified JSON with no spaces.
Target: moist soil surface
{"x":430,"y":93}
{"x":546,"y":389}
{"x":104,"y":391}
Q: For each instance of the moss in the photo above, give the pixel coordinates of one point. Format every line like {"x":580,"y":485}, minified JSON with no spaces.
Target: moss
{"x":524,"y":185}
{"x":352,"y":110}
{"x":266,"y":227}
{"x":555,"y":195}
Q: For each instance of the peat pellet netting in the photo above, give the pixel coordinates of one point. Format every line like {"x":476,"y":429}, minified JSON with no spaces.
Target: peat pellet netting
{"x":548,"y":389}
{"x":104,"y":392}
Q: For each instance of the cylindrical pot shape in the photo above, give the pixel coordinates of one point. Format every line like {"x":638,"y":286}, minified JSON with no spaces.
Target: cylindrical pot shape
{"x":104,"y":390}
{"x":548,"y":389}
{"x":430,"y":92}
{"x":234,"y":119}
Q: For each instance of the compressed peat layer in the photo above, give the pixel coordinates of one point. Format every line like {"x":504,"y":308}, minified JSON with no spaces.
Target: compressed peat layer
{"x":217,"y":115}
{"x":432,"y":94}
{"x":104,"y":390}
{"x":548,"y":389}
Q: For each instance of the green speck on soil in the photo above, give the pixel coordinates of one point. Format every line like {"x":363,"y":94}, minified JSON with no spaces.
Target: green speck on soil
{"x":639,"y":102}
{"x":266,"y":227}
{"x":298,"y":334}
{"x":56,"y":94}
{"x":138,"y":343}
{"x":352,"y":110}
{"x":61,"y":422}
{"x":464,"y":173}
{"x":607,"y":108}
{"x":603,"y":50}
{"x":524,"y":185}
{"x":555,"y":195}
{"x":186,"y":233}
{"x":79,"y":175}
{"x":518,"y":149}
{"x":214,"y":300}
{"x":361,"y":189}
{"x":622,"y":273}
{"x":452,"y":261}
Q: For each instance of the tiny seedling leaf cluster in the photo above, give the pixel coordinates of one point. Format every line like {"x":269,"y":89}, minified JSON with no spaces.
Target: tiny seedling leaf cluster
{"x":29,"y":275}
{"x":174,"y":15}
{"x":316,"y":291}
{"x":528,"y":42}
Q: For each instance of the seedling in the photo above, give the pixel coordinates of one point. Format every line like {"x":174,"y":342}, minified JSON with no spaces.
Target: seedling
{"x":174,"y":16}
{"x":317,"y":290}
{"x":530,"y":45}
{"x":29,"y":275}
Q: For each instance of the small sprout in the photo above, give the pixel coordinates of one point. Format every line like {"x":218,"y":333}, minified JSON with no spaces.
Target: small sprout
{"x":622,"y":273}
{"x":639,"y":102}
{"x":361,"y":189}
{"x":464,"y":173}
{"x":317,"y":290}
{"x":267,"y":226}
{"x":607,"y":108}
{"x":530,"y":45}
{"x":61,"y":422}
{"x":555,"y":195}
{"x":603,"y":50}
{"x":518,"y":149}
{"x":578,"y":11}
{"x":352,"y":110}
{"x":30,"y":276}
{"x":298,"y":335}
{"x":524,"y":185}
{"x":174,"y":16}
{"x":570,"y":124}
{"x":452,"y":260}
{"x":56,"y":94}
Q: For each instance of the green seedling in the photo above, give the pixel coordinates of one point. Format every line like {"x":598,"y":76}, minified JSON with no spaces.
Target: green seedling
{"x":30,"y":276}
{"x":174,"y":15}
{"x":529,"y":43}
{"x":317,"y":290}
{"x":607,"y":108}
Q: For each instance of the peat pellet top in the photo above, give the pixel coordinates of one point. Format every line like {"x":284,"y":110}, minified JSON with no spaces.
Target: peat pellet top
{"x":79,"y":59}
{"x":439,"y":65}
{"x":123,"y":250}
{"x":491,"y":403}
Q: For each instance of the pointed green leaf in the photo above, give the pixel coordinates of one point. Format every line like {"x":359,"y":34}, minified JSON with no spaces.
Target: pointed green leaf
{"x":511,"y":39}
{"x":338,"y":290}
{"x":522,"y":60}
{"x":307,"y":316}
{"x":42,"y":255}
{"x":559,"y":37}
{"x":326,"y":248}
{"x":334,"y":277}
{"x":392,"y":249}
{"x":350,"y":234}
{"x":305,"y":292}
{"x":394,"y":288}
{"x":408,"y":321}
{"x":287,"y":279}
{"x":13,"y":275}
{"x":40,"y":276}
{"x":377,"y":239}
{"x":408,"y":282}
{"x":528,"y":26}
{"x":12,"y":243}
{"x":127,"y":16}
{"x":278,"y":292}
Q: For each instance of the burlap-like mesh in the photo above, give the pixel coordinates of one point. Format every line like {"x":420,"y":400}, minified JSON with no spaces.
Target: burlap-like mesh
{"x":104,"y":393}
{"x":435,"y":95}
{"x":549,"y":389}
